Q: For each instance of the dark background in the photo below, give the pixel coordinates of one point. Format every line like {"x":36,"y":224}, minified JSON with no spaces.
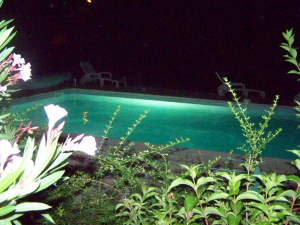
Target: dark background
{"x":165,"y":44}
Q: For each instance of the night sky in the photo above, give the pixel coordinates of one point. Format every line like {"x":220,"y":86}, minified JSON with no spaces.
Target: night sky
{"x":165,"y":44}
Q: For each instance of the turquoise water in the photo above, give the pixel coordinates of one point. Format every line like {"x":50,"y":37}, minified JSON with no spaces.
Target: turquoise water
{"x":209,"y":124}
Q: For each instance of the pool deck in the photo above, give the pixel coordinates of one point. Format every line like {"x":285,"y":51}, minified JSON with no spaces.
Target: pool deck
{"x":151,"y":91}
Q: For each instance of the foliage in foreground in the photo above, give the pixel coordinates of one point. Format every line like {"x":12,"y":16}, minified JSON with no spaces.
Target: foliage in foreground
{"x":200,"y":195}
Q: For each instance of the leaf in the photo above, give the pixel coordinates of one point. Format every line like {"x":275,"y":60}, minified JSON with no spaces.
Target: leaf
{"x":250,"y":195}
{"x":3,"y":23}
{"x":201,"y":190}
{"x":8,"y":180}
{"x":288,"y":193}
{"x":8,"y":40}
{"x":285,"y":47}
{"x":232,"y":219}
{"x":296,"y":152}
{"x":204,"y":180}
{"x":189,"y":202}
{"x":11,"y":218}
{"x":137,"y":196}
{"x":5,"y":53}
{"x":293,"y":71}
{"x":225,"y":175}
{"x":216,"y":196}
{"x":48,"y":217}
{"x":17,"y":222}
{"x":61,"y":157}
{"x":28,"y":189}
{"x":180,"y":181}
{"x":7,"y":209}
{"x":214,"y":211}
{"x":4,"y":34}
{"x":49,"y":180}
{"x":297,"y":164}
{"x":31,"y":206}
{"x":293,"y":61}
{"x":261,"y":207}
{"x":294,"y":218}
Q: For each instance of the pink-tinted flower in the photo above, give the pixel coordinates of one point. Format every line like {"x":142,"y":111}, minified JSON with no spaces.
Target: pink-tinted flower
{"x":25,"y":71}
{"x":87,"y":145}
{"x":70,"y":144}
{"x":3,"y":89}
{"x":54,"y":113}
{"x":12,"y":165}
{"x":54,"y":132}
{"x":17,"y":60}
{"x":6,"y":150}
{"x":27,"y":129}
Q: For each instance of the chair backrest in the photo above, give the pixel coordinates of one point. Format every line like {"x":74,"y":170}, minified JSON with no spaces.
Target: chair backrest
{"x":220,"y":78}
{"x":87,"y":67}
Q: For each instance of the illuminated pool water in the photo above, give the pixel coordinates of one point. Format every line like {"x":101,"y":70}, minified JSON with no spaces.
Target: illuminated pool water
{"x":209,"y":124}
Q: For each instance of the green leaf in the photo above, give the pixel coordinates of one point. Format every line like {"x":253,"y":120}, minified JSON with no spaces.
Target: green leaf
{"x":250,"y":195}
{"x":137,"y":196}
{"x":6,"y":209}
{"x":225,"y":175}
{"x":49,"y":180}
{"x":216,"y":196}
{"x":204,"y":180}
{"x":189,"y":202}
{"x":48,"y":217}
{"x":285,"y":47}
{"x":61,"y":157}
{"x":17,"y":222}
{"x":4,"y":54}
{"x":238,"y":178}
{"x":201,"y":190}
{"x":232,"y":219}
{"x":8,"y":180}
{"x":8,"y":40}
{"x":31,"y":206}
{"x":293,"y":72}
{"x":28,"y":189}
{"x":293,"y":61}
{"x":295,"y":219}
{"x":180,"y":181}
{"x":11,"y":218}
{"x":293,"y":178}
{"x":4,"y":34}
{"x":239,"y":205}
{"x":214,"y":211}
{"x":288,"y":193}
{"x":296,"y":152}
{"x":261,"y":207}
{"x":3,"y":23}
{"x":297,"y":164}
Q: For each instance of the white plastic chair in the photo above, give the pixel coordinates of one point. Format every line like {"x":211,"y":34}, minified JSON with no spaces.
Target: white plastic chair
{"x":237,"y":84}
{"x":223,"y":89}
{"x":91,"y":75}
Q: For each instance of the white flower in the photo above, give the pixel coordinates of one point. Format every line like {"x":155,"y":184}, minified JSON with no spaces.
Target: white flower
{"x":6,"y":150}
{"x":3,"y":89}
{"x":87,"y":146}
{"x":25,"y":71}
{"x":18,"y":60}
{"x":12,"y":165}
{"x":54,"y":113}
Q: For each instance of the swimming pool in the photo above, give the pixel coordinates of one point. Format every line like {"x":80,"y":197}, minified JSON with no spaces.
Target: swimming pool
{"x":209,"y":124}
